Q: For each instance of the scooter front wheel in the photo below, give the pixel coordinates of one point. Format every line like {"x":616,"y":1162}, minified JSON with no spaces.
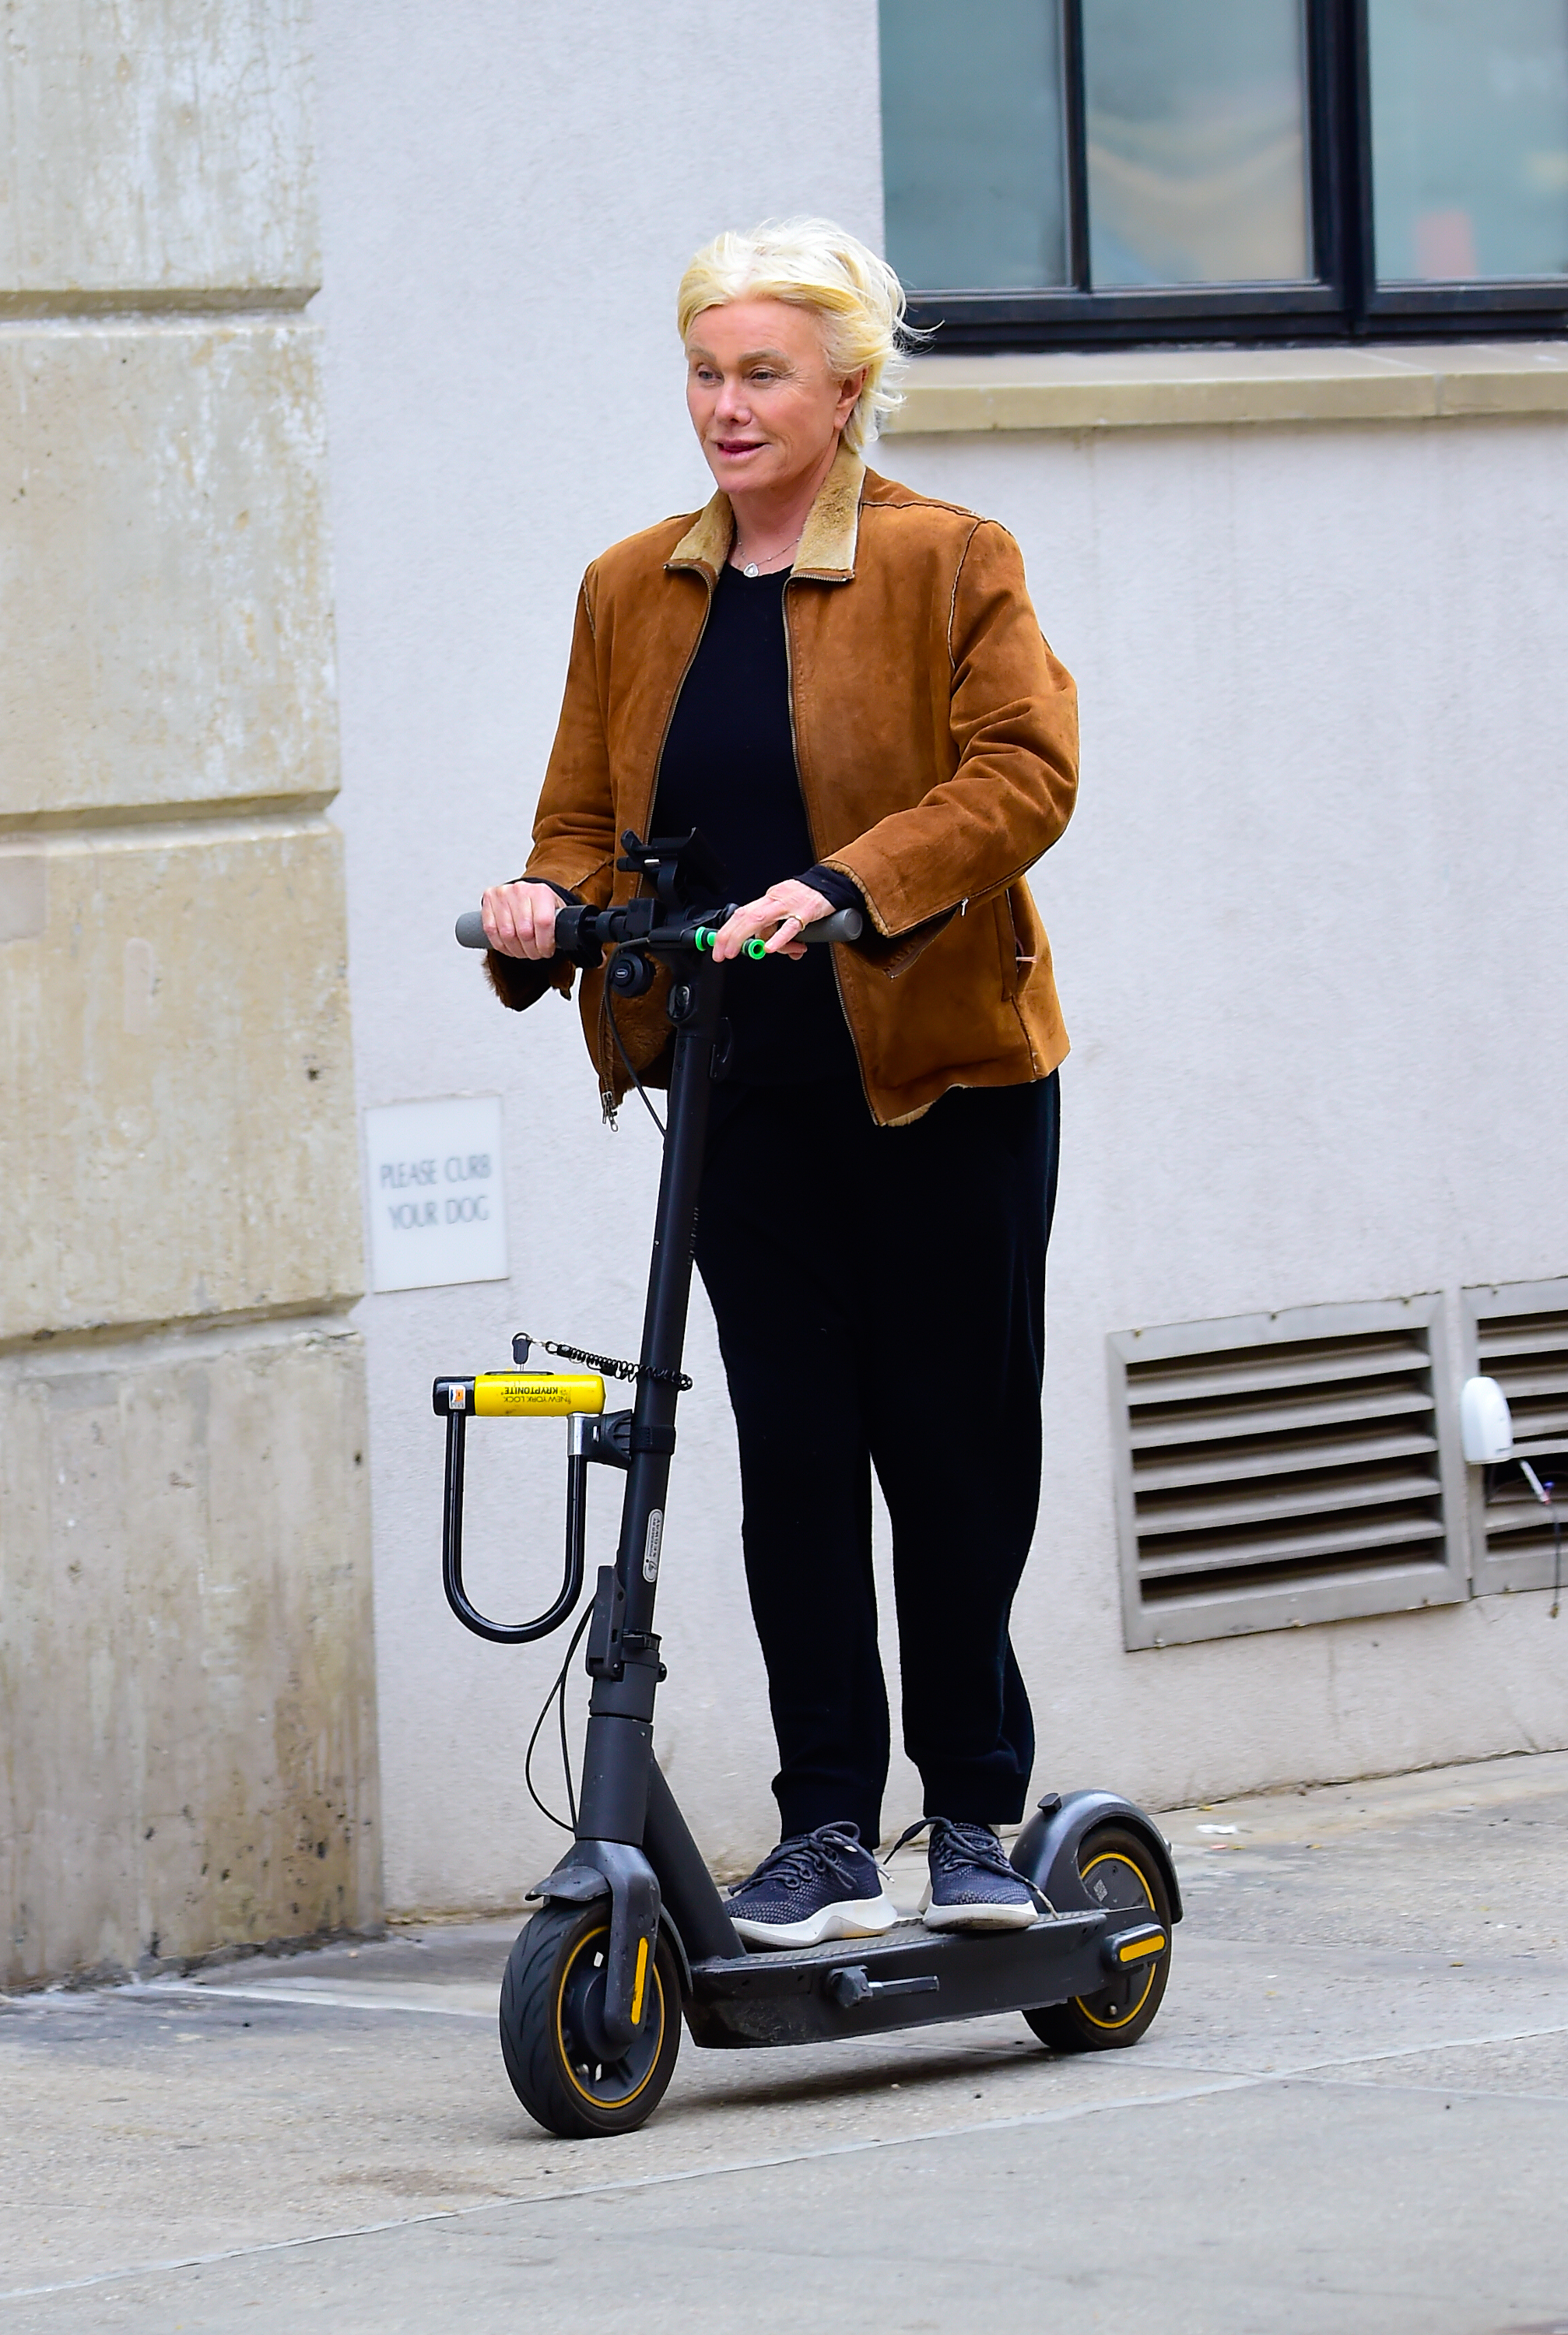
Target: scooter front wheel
{"x":1120,"y":1874}
{"x":552,"y":2035}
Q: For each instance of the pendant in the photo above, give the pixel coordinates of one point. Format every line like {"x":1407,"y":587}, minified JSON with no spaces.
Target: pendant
{"x":749,"y":569}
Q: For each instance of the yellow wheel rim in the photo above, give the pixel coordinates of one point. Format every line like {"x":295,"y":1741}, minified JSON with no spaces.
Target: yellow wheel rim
{"x":1124,"y":2018}
{"x":655,"y":2009}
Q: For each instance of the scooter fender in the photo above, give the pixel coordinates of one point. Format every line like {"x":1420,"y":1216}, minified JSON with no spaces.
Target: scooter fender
{"x":1046,"y":1850}
{"x":597,"y":1868}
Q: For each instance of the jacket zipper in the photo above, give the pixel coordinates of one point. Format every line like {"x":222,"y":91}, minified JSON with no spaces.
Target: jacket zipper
{"x":811,"y":837}
{"x":607,"y":1102}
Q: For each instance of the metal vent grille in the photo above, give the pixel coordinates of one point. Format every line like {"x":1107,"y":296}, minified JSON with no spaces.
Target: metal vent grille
{"x":1520,"y":1338}
{"x":1281,"y":1469}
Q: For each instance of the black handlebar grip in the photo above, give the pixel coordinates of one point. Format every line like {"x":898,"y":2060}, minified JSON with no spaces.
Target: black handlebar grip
{"x":568,"y":926}
{"x":471,"y":929}
{"x":847,"y":924}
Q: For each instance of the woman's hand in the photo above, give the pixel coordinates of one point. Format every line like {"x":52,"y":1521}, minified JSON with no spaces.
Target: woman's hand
{"x":784,"y":910}
{"x":519,"y":919}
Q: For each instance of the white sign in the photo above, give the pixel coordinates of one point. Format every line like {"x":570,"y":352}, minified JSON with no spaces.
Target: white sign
{"x":438,"y":1209}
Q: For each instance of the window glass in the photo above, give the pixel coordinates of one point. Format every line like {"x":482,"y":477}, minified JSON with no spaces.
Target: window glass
{"x":1469,"y":138}
{"x":972,"y":142}
{"x":1198,"y":160}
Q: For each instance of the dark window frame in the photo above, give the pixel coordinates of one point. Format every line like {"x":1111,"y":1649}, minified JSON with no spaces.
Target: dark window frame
{"x":1345,"y":303}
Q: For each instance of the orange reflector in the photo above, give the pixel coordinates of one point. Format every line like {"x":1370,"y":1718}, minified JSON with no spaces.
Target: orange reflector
{"x":640,"y":1983}
{"x":1140,"y":1948}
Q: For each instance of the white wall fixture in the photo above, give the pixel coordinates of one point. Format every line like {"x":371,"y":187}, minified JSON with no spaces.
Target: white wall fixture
{"x":437,"y":1192}
{"x":1516,"y":1335}
{"x":1485,"y":1423}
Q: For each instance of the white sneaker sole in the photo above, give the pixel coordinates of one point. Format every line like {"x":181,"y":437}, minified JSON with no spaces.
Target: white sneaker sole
{"x":979,"y":1918}
{"x":852,"y":1917}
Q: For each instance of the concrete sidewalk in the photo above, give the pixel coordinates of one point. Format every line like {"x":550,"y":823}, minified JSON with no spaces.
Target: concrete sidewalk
{"x":1353,"y":2114}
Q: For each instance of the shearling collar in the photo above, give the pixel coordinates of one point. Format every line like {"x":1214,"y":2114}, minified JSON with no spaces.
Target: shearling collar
{"x":826,"y":544}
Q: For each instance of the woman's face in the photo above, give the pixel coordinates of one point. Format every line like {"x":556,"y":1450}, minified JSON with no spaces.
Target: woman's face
{"x":761,"y":398}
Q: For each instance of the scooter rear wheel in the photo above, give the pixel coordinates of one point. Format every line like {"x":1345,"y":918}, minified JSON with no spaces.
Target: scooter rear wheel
{"x":1122,"y":1876}
{"x":552,"y":2001}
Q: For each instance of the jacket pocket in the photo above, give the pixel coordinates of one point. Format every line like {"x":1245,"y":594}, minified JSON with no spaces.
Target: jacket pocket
{"x":1007,"y":943}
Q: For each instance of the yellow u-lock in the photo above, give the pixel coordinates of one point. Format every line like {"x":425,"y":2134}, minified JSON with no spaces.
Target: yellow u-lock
{"x":537,"y":1394}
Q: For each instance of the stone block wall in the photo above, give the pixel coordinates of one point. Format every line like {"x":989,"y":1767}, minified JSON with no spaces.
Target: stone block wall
{"x":187,"y":1702}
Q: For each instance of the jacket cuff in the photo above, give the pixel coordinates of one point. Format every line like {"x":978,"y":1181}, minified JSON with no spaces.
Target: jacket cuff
{"x":841,"y":891}
{"x":520,"y":981}
{"x":893,"y":951}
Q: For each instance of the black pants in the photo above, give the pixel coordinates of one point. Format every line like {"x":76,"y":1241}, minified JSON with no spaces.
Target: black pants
{"x":880,"y":1300}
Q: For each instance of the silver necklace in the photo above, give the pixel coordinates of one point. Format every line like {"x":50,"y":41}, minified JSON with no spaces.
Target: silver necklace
{"x":751,"y":567}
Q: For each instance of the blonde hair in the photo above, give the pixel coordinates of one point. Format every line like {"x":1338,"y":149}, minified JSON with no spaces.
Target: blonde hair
{"x":809,"y":263}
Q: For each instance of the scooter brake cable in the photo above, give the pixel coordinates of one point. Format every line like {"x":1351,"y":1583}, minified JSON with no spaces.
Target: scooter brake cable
{"x":557,"y":1695}
{"x":627,"y":1059}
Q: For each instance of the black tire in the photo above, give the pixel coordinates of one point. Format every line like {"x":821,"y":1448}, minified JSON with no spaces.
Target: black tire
{"x":554,"y":1976}
{"x":1121,"y":1873}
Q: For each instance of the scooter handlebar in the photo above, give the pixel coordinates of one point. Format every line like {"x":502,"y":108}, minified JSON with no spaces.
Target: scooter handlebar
{"x":846,"y":924}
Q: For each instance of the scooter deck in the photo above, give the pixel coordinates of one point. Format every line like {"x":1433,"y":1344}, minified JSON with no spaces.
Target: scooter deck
{"x":909,"y":1976}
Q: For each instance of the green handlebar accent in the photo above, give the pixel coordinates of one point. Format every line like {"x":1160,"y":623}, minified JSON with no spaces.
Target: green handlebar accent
{"x":756,"y":946}
{"x":704,"y":938}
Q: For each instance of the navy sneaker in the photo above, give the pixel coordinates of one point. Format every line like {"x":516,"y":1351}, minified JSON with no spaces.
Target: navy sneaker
{"x":972,"y":1885}
{"x":818,"y":1884}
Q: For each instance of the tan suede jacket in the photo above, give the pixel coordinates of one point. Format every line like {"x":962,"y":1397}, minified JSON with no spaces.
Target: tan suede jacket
{"x":936,"y":736}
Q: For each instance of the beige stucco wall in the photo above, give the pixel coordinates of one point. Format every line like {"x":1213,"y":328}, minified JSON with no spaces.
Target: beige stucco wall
{"x":161,"y":149}
{"x":186,"y":1707}
{"x":164,"y":552}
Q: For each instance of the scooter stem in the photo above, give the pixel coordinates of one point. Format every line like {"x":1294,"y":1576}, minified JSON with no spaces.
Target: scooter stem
{"x":623,"y":1653}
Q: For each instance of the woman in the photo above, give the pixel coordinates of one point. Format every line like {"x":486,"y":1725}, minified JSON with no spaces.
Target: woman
{"x":843,"y":684}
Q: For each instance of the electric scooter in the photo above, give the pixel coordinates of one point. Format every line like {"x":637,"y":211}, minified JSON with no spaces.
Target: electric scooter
{"x":630,"y":1933}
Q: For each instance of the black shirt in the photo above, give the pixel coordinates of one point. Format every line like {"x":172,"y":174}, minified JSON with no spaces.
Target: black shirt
{"x":729,"y":769}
